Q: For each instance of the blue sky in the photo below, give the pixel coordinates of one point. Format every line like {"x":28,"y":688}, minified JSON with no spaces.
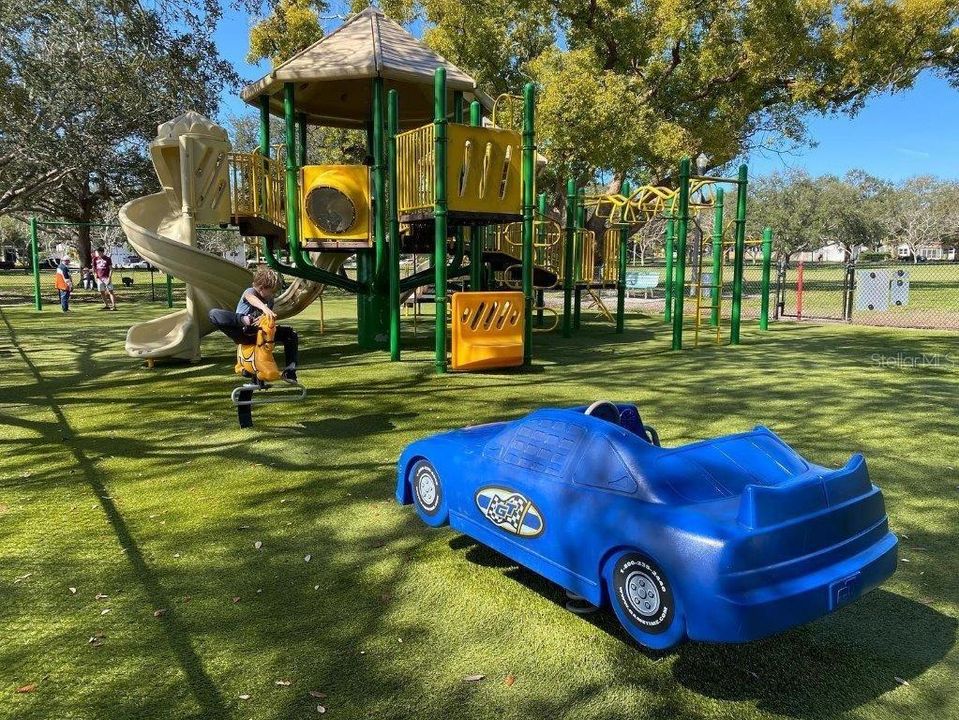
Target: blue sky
{"x":894,"y":136}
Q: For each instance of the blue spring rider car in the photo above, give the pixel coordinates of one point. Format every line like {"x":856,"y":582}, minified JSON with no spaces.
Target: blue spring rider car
{"x":723,"y":540}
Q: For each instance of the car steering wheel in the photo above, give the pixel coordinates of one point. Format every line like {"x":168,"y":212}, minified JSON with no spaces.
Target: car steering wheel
{"x":604,"y":410}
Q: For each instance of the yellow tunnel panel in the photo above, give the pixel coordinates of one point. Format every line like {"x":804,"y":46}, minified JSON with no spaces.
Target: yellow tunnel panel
{"x":487,"y":330}
{"x":483,"y":170}
{"x":335,"y":203}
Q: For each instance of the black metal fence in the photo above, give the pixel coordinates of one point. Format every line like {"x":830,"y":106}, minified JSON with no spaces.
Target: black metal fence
{"x":130,"y":286}
{"x":134,"y":280}
{"x":895,"y":294}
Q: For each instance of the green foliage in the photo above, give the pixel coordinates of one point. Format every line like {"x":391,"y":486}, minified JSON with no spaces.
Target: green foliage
{"x":850,"y":210}
{"x":499,"y":37}
{"x":14,"y":236}
{"x":291,"y":26}
{"x":789,"y":204}
{"x":922,"y":211}
{"x":84,"y":85}
{"x":806,"y":213}
{"x":628,"y":88}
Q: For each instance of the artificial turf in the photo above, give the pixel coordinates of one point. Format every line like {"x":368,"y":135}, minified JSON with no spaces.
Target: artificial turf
{"x":138,"y":487}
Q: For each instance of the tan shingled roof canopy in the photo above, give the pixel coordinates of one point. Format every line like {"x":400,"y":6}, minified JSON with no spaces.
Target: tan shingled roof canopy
{"x":333,"y":76}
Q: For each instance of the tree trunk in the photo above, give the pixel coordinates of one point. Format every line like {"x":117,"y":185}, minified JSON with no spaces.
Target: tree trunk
{"x":83,"y":232}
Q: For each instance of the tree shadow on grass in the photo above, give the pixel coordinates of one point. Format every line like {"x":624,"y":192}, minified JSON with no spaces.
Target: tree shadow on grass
{"x":823,"y":669}
{"x":344,"y":427}
{"x":204,"y":691}
{"x":828,"y":667}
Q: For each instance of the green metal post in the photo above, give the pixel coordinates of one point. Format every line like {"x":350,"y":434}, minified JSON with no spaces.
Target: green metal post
{"x":735,"y":318}
{"x":541,"y":241}
{"x":679,"y":282}
{"x":460,"y":232}
{"x":292,"y":199}
{"x":169,"y":290}
{"x":393,"y":126}
{"x":439,"y":212}
{"x":301,"y":144}
{"x":767,"y":267}
{"x":668,"y":282}
{"x":580,"y":235}
{"x":265,"y":125}
{"x":528,"y":194}
{"x":35,"y":264}
{"x":265,"y":152}
{"x":621,"y":274}
{"x":476,"y":232}
{"x":717,"y":241}
{"x":379,"y":182}
{"x":578,"y":260}
{"x":568,"y":252}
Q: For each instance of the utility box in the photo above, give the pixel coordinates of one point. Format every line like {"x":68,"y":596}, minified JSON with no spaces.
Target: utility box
{"x":899,"y":288}
{"x":872,"y":290}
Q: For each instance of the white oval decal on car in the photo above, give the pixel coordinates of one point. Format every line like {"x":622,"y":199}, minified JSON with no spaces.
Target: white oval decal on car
{"x":510,"y":510}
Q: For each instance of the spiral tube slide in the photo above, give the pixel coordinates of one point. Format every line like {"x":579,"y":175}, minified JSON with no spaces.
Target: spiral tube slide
{"x":212,"y":281}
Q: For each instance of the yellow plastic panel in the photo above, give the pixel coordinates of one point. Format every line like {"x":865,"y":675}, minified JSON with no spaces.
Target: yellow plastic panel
{"x":335,"y":203}
{"x":483,"y":170}
{"x":487,"y":330}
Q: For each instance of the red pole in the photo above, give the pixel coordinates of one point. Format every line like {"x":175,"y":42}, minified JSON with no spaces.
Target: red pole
{"x":799,"y":273}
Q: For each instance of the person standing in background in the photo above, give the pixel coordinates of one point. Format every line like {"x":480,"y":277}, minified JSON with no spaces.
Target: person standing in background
{"x":63,"y":282}
{"x":102,"y":271}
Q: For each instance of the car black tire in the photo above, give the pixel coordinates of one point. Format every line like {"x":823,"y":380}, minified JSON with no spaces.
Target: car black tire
{"x":644,"y":600}
{"x":429,"y":495}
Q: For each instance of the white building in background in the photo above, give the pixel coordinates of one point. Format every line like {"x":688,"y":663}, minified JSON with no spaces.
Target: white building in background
{"x":926,"y":252}
{"x":833,"y":252}
{"x":122,"y":255}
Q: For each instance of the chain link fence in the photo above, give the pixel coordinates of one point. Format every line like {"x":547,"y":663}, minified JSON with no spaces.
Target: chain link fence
{"x":892,"y":294}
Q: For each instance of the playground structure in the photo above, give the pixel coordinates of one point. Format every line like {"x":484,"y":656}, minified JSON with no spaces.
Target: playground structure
{"x":443,"y":178}
{"x":630,"y":208}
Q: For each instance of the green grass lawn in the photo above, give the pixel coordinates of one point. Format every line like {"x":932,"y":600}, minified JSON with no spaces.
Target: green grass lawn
{"x":137,"y":486}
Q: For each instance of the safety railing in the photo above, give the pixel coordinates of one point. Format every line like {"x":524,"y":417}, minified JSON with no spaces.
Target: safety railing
{"x":257,"y":188}
{"x":508,"y":112}
{"x":482,"y":171}
{"x":587,"y":256}
{"x":415,"y":170}
{"x":610,"y":271}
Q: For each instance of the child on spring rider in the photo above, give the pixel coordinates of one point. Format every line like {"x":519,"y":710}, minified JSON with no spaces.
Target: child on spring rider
{"x":253,"y":328}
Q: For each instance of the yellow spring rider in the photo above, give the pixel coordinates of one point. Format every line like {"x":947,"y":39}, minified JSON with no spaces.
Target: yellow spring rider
{"x":255,"y":362}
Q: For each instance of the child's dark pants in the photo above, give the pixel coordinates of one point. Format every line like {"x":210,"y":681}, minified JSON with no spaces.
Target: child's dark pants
{"x":231,"y":325}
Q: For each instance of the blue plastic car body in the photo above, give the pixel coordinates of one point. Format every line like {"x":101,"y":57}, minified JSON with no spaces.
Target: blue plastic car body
{"x":724,"y":540}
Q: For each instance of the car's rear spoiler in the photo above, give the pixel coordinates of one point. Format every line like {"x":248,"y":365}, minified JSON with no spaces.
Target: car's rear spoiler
{"x":766,"y":505}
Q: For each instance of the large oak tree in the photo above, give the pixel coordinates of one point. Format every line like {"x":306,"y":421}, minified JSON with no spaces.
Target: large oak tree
{"x":83,"y":86}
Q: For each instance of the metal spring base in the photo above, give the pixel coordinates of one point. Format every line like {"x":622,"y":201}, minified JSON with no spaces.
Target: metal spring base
{"x":579,"y":605}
